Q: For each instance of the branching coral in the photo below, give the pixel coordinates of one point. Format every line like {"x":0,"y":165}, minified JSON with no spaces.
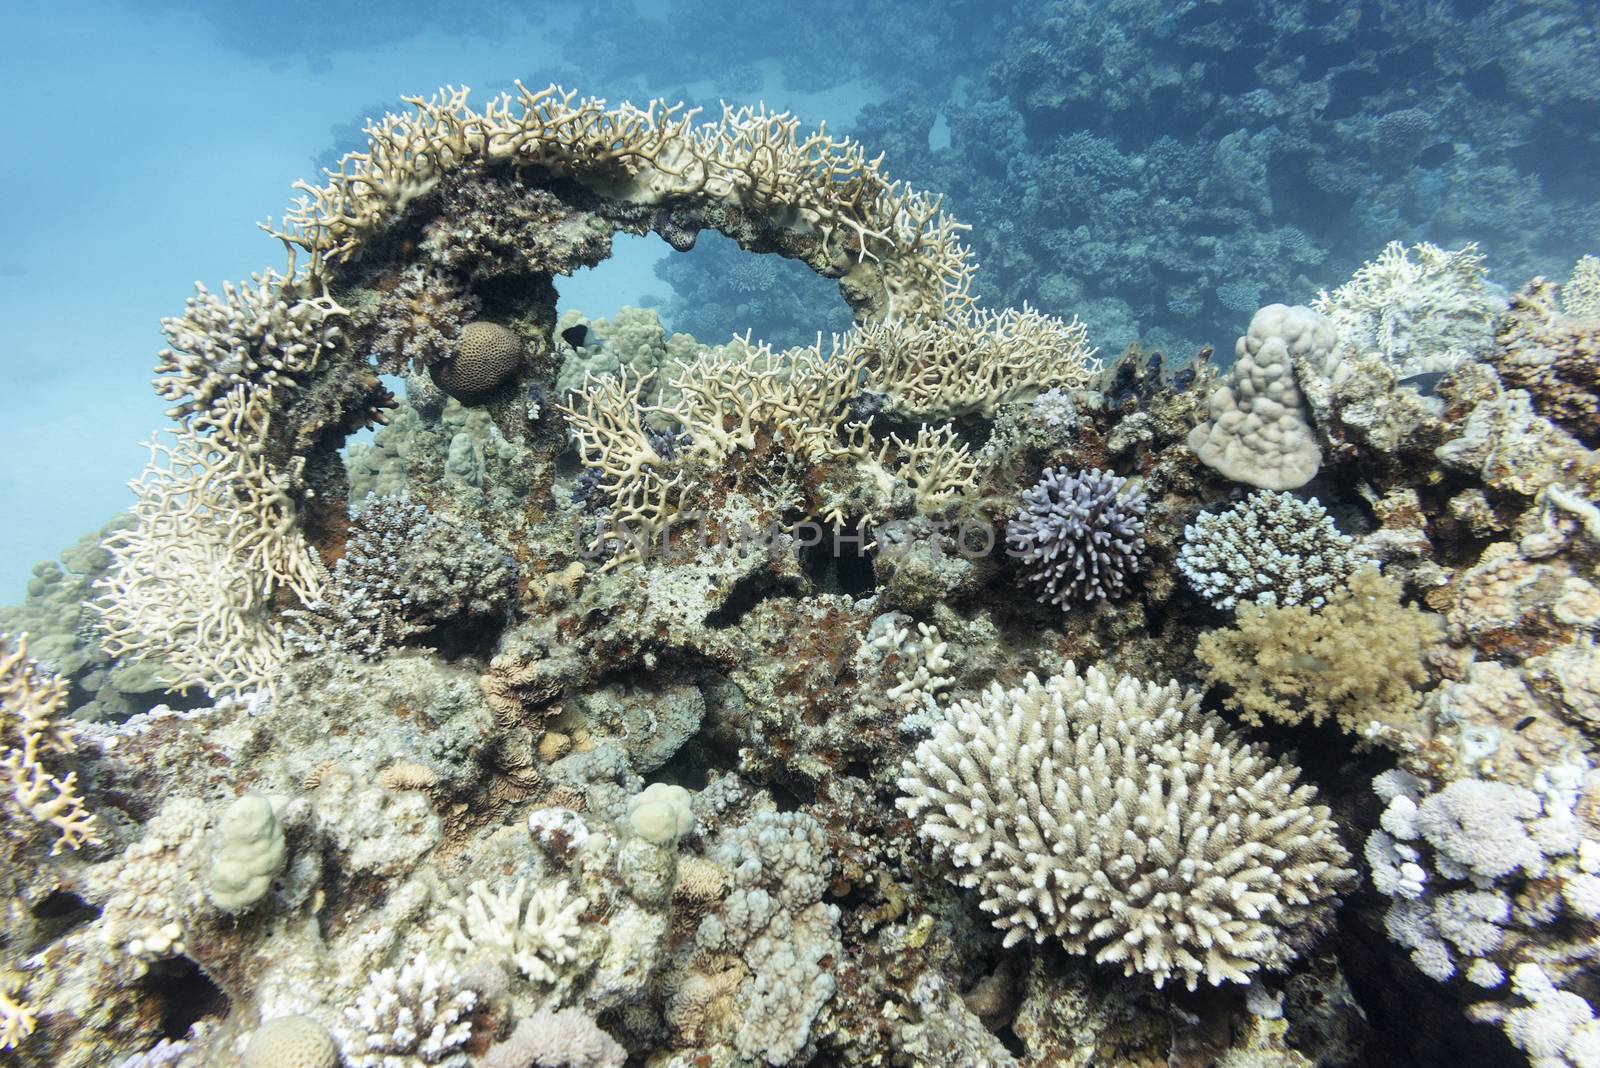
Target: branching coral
{"x":1080,"y":535}
{"x":1427,"y":314}
{"x":33,"y":727}
{"x":261,"y":333}
{"x":897,"y":241}
{"x":1357,"y":660}
{"x":406,"y":1015}
{"x":971,"y":364}
{"x":420,"y":320}
{"x":535,"y":932}
{"x":1271,"y":548}
{"x":405,"y":571}
{"x":1115,"y":816}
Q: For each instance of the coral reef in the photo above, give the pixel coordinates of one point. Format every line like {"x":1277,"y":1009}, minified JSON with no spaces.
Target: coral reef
{"x":626,"y":699}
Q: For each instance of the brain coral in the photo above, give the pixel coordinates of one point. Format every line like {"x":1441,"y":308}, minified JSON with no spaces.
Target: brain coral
{"x":1080,"y":534}
{"x":1116,"y":816}
{"x":485,"y":356}
{"x":291,"y":1042}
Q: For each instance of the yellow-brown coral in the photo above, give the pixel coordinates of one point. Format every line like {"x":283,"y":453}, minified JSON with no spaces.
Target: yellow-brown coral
{"x":31,"y":727}
{"x":1358,"y":659}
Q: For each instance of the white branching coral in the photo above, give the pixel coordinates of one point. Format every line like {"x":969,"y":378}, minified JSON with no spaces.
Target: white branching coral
{"x":1430,"y":313}
{"x":897,"y":241}
{"x":972,"y":363}
{"x":1580,"y":297}
{"x":214,"y":539}
{"x":408,"y":1015}
{"x":1114,"y":815}
{"x":34,"y":727}
{"x":937,"y":466}
{"x":536,"y":932}
{"x":259,"y":333}
{"x":1270,"y":548}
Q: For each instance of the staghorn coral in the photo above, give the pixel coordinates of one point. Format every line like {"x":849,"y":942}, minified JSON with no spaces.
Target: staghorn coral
{"x":17,"y":1019}
{"x":33,"y":728}
{"x":1358,"y":660}
{"x":420,"y":322}
{"x":901,"y":254}
{"x":1080,"y":535}
{"x":971,"y":363}
{"x":1115,"y":816}
{"x":1428,"y":314}
{"x":1270,"y":548}
{"x":1258,"y":430}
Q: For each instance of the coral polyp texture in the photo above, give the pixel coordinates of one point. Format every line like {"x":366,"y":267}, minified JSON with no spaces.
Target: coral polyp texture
{"x":1080,"y":536}
{"x":616,"y":695}
{"x":1270,"y":548}
{"x":1113,"y":815}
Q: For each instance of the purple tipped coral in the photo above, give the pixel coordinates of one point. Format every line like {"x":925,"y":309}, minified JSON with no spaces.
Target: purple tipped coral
{"x":1080,"y":534}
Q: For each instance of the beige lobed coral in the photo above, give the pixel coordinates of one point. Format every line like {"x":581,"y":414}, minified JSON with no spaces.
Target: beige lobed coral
{"x":1258,"y":430}
{"x":1114,"y":815}
{"x":1357,"y":660}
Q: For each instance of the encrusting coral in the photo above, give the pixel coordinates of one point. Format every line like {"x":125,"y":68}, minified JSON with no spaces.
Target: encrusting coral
{"x":1357,"y":660}
{"x":1115,"y":816}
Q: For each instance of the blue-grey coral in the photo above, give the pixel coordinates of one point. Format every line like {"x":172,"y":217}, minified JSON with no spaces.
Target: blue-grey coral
{"x":1270,"y":548}
{"x":406,"y":571}
{"x":1114,"y":815}
{"x":1080,"y":536}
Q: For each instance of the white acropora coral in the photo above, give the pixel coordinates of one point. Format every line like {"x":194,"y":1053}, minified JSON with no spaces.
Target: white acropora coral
{"x":1116,"y":816}
{"x":1270,"y":548}
{"x":495,"y":924}
{"x":1430,"y":313}
{"x":408,"y":1015}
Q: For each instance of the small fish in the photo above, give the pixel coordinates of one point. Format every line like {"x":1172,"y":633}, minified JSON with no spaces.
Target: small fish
{"x":1424,"y":382}
{"x":578,"y":336}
